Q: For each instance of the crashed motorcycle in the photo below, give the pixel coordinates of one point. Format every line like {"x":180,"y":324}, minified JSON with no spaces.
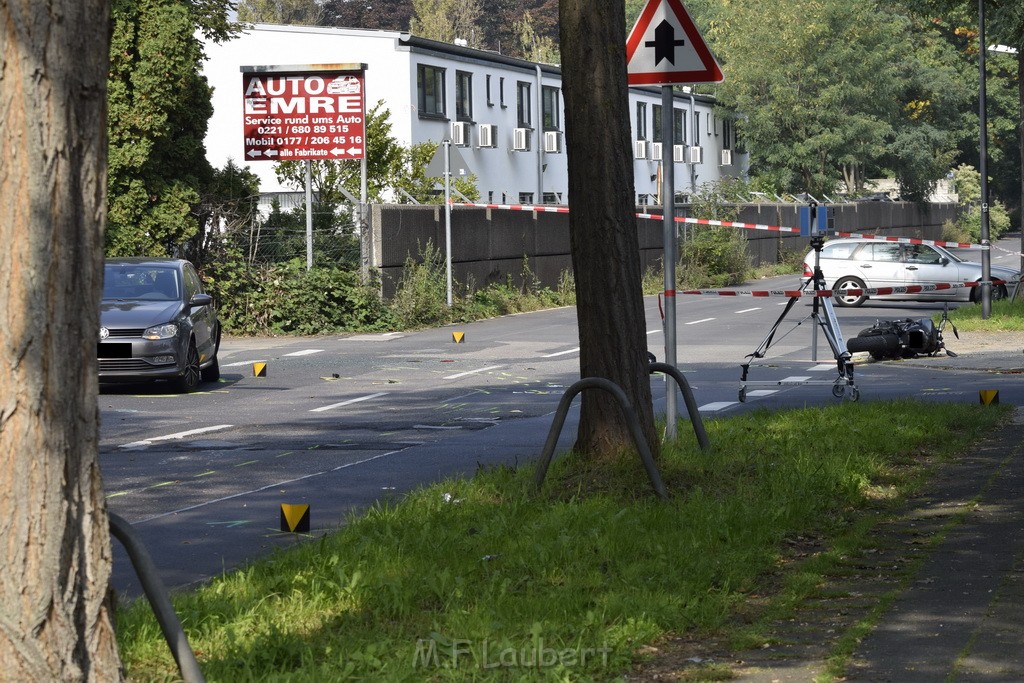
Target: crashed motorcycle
{"x":906,"y":338}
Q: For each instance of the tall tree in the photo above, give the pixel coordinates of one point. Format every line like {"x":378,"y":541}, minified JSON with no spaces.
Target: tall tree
{"x":391,"y":15}
{"x":447,"y":20}
{"x":55,"y":616}
{"x":159,"y":107}
{"x":602,"y":225}
{"x":297,"y":12}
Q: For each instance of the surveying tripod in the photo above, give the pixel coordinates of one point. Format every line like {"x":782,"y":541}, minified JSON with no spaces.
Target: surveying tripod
{"x":825,"y":317}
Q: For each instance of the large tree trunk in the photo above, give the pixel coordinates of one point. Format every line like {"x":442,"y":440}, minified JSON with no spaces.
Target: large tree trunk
{"x":55,"y":621}
{"x":602,"y":223}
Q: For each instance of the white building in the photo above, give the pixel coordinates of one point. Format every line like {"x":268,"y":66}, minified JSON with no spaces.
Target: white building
{"x":504,"y":113}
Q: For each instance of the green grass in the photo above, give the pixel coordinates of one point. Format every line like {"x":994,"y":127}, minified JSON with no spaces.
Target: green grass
{"x":484,"y":579}
{"x":1005,"y":316}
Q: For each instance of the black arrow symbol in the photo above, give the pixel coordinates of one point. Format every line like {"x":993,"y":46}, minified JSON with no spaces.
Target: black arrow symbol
{"x":664,"y":43}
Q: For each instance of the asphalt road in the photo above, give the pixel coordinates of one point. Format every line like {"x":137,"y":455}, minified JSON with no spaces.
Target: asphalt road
{"x":339,"y":422}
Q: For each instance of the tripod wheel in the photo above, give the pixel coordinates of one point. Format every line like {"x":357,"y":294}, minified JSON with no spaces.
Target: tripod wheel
{"x":743,"y":394}
{"x":838,"y":390}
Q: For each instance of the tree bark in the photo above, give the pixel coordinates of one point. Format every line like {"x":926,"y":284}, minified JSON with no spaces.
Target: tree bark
{"x":602,"y":224}
{"x":55,"y":620}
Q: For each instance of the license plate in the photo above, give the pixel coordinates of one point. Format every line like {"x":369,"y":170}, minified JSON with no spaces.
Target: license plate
{"x":113,"y":350}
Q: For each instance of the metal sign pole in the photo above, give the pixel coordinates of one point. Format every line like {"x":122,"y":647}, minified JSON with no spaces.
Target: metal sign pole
{"x":668,"y":202}
{"x":448,"y":216}
{"x":309,"y":214}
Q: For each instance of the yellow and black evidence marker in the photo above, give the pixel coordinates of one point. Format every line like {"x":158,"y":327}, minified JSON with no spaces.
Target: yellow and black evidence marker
{"x":989,"y":397}
{"x":259,"y":369}
{"x":457,"y":337}
{"x":295,"y":518}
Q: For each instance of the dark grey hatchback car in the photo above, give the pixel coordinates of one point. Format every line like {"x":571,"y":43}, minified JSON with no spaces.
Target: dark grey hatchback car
{"x":156,"y":322}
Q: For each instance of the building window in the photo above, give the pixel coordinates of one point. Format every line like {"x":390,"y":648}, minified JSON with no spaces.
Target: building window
{"x":641,"y":120}
{"x":501,"y":91}
{"x":656,"y":123}
{"x":526,"y":198}
{"x":523,"y":117}
{"x":430,"y":90}
{"x":727,"y":134}
{"x":678,"y":127}
{"x":463,"y":96}
{"x":549,"y":104}
{"x":696,"y":128}
{"x":487,"y":85}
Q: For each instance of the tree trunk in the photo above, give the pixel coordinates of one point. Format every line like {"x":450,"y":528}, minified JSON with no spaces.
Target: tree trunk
{"x":55,"y":621}
{"x":602,"y":224}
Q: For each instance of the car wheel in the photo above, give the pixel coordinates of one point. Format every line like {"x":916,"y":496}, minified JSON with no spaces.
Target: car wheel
{"x":189,"y":379}
{"x":999,"y":292}
{"x":843,"y":284}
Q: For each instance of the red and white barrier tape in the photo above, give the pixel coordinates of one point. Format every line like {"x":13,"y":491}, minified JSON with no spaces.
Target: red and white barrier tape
{"x":828,"y":293}
{"x":732,"y":224}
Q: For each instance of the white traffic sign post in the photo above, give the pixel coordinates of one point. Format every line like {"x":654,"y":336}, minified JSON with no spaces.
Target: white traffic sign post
{"x":302,"y":113}
{"x":665,"y":48}
{"x":447,"y":160}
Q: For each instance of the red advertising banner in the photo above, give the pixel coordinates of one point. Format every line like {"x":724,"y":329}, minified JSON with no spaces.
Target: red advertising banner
{"x":309,"y":115}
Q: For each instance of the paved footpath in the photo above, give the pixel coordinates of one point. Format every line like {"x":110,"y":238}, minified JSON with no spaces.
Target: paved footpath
{"x":961,"y":616}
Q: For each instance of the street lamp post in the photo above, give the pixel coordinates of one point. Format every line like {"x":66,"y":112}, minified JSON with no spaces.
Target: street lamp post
{"x":986,"y":252}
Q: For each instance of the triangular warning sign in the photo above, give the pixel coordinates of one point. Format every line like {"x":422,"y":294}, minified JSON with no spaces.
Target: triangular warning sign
{"x":665,"y":48}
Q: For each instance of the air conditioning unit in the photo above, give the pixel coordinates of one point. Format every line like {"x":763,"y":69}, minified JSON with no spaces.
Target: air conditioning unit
{"x":460,"y":133}
{"x":726,"y":157}
{"x":487,"y":135}
{"x":678,"y":153}
{"x":656,"y":151}
{"x":696,"y":155}
{"x":552,"y":142}
{"x":640,"y":149}
{"x":521,"y":139}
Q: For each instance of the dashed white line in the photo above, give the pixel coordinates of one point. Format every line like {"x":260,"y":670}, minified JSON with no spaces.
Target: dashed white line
{"x":349,"y":402}
{"x":304,"y":352}
{"x":472,"y":372}
{"x":795,"y":379}
{"x":717,"y":405}
{"x":242,"y":362}
{"x":561,"y":353}
{"x":172,"y":437}
{"x":702,"y":320}
{"x":824,"y":367}
{"x":761,"y":392}
{"x":748,"y":310}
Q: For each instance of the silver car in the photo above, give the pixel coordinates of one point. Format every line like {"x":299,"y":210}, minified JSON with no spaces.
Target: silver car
{"x":156,"y":322}
{"x":861,"y":263}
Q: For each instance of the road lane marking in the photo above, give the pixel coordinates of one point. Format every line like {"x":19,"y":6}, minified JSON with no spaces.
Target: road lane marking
{"x":349,"y":402}
{"x":717,"y":405}
{"x":795,"y":379}
{"x":552,"y":355}
{"x":654,"y":331}
{"x":471,"y":372}
{"x":748,"y":310}
{"x":702,"y":320}
{"x":761,"y":392}
{"x":267,"y":487}
{"x":243,"y":362}
{"x":172,"y":437}
{"x":824,"y":367}
{"x":304,"y":352}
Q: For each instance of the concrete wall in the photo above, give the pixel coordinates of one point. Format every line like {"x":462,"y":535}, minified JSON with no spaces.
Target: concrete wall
{"x":489,"y":245}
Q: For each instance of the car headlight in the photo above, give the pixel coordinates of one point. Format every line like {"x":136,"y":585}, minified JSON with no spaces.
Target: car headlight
{"x":165,"y":331}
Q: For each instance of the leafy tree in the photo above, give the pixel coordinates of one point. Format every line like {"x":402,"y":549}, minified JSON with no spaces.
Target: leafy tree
{"x":56,"y":555}
{"x":886,"y":97}
{"x":297,"y":12}
{"x":446,"y":20}
{"x":159,"y":106}
{"x":414,"y":181}
{"x":392,"y":15}
{"x":602,"y":235}
{"x":535,"y":47}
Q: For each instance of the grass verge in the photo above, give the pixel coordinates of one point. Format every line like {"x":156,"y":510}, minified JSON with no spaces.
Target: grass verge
{"x":482,"y":579}
{"x":1005,"y":316}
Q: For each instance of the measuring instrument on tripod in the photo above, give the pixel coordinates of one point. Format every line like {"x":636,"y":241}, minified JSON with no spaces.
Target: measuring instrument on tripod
{"x":813,"y":223}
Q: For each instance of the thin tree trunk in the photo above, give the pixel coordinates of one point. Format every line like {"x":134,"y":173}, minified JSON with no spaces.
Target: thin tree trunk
{"x":602,"y":224}
{"x":55,"y":621}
